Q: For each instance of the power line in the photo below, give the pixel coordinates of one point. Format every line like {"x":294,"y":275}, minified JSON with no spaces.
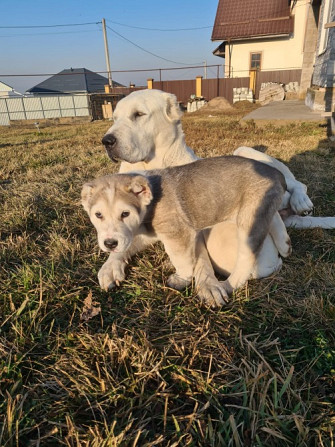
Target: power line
{"x":105,"y":72}
{"x":48,"y":34}
{"x":145,"y":70}
{"x":147,"y":51}
{"x":111,"y":21}
{"x":160,"y":29}
{"x":49,"y":26}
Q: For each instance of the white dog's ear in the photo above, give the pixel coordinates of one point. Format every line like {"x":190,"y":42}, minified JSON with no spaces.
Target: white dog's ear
{"x":173,"y":111}
{"x":141,"y":188}
{"x":86,"y":194}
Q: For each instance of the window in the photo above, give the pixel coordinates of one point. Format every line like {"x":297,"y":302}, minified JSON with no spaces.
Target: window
{"x":255,"y":61}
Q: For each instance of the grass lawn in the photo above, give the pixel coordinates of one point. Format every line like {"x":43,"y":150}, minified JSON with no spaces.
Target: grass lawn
{"x":154,"y":367}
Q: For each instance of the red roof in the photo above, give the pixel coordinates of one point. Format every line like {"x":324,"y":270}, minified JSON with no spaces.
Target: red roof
{"x":239,"y":19}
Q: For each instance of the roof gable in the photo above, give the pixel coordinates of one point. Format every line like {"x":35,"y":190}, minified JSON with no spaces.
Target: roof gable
{"x":238,"y":19}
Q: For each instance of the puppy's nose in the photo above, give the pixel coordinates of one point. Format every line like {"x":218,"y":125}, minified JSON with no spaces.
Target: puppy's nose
{"x":110,"y":243}
{"x":109,"y":140}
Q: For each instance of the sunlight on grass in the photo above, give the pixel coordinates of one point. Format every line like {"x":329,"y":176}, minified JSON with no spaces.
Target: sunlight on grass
{"x":153,"y":367}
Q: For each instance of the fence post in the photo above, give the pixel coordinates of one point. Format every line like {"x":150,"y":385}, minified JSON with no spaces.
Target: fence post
{"x":8,"y":114}
{"x":42,"y":107}
{"x":150,"y":83}
{"x":74,"y":106}
{"x":198,"y":82}
{"x":60,"y":108}
{"x":160,"y":79}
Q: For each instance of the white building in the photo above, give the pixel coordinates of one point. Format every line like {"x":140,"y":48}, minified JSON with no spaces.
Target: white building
{"x":6,"y":91}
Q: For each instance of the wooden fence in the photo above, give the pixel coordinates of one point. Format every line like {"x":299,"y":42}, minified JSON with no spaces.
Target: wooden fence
{"x":182,"y":89}
{"x":280,"y":76}
{"x":224,"y":86}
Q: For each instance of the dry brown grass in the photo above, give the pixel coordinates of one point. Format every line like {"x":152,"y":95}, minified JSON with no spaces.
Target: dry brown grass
{"x":154,"y":367}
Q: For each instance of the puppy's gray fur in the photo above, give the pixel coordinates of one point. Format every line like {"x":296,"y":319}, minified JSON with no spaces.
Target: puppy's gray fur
{"x":173,"y":205}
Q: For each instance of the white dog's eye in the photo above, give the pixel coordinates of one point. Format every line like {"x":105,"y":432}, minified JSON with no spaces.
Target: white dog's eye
{"x":98,"y":215}
{"x":138,"y":114}
{"x":124,"y":214}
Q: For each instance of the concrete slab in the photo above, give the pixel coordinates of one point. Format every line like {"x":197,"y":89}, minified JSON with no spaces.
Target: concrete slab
{"x":284,"y":111}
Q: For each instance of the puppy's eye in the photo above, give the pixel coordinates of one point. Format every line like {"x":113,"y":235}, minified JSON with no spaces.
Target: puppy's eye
{"x":138,"y":114}
{"x":98,"y":215}
{"x":124,"y":214}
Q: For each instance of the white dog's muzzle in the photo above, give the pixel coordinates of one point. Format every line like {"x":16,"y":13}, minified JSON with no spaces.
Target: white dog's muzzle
{"x":109,"y":141}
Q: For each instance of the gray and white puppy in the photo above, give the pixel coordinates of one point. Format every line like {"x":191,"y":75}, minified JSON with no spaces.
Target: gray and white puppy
{"x":173,"y":205}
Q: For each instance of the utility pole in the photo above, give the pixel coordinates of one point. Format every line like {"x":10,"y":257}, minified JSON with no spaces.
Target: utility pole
{"x":205,"y":67}
{"x":110,"y":81}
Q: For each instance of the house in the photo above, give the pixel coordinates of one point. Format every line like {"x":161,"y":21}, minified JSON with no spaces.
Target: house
{"x":7,"y":91}
{"x":267,"y":35}
{"x":321,"y":95}
{"x":72,"y":81}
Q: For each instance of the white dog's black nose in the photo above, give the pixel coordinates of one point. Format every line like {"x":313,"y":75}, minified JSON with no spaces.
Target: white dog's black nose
{"x":109,"y":140}
{"x":111,"y":244}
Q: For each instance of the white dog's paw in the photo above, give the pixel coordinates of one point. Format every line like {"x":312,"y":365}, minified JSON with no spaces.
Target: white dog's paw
{"x":176,"y":282}
{"x":285,"y":247}
{"x":300,"y":202}
{"x":111,"y":274}
{"x":213,"y":293}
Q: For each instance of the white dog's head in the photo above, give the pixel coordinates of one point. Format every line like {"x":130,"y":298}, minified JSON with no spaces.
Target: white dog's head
{"x":116,"y":205}
{"x":143,"y":120}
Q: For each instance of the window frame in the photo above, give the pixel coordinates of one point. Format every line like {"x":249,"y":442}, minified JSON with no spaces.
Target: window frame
{"x":260,"y":60}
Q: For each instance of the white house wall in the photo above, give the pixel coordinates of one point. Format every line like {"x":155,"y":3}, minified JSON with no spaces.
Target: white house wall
{"x":324,"y":68}
{"x":277,"y":53}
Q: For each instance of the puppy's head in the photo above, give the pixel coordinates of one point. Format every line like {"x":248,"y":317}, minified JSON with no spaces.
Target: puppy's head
{"x":116,"y":205}
{"x":144,"y":122}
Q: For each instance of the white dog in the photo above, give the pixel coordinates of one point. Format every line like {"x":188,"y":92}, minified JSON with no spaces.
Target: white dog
{"x":147,"y":134}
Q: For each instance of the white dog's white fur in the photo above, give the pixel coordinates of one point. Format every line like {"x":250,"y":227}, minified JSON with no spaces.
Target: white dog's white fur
{"x":147,"y":134}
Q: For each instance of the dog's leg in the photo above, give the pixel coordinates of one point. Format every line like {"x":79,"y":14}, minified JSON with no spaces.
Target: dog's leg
{"x":279,"y":235}
{"x":209,"y":289}
{"x":299,"y":200}
{"x":190,"y":258}
{"x":327,"y":223}
{"x":113,"y":270}
{"x":268,"y":261}
{"x":181,"y":255}
{"x":246,"y":258}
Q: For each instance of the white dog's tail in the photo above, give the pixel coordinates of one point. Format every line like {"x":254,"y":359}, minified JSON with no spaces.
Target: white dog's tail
{"x":294,"y":221}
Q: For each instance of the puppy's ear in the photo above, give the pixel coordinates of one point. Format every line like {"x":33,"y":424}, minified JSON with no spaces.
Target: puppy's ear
{"x":141,"y":188}
{"x":173,"y":111}
{"x":86,"y":194}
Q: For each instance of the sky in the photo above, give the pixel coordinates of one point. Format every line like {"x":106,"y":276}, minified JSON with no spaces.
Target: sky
{"x":29,"y":51}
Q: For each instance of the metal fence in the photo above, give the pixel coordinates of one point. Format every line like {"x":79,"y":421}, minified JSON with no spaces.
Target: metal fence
{"x":43,"y":107}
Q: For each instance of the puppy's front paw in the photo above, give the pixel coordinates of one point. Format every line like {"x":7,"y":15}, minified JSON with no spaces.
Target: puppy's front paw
{"x":213,"y":293}
{"x":111,"y":274}
{"x":176,"y":282}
